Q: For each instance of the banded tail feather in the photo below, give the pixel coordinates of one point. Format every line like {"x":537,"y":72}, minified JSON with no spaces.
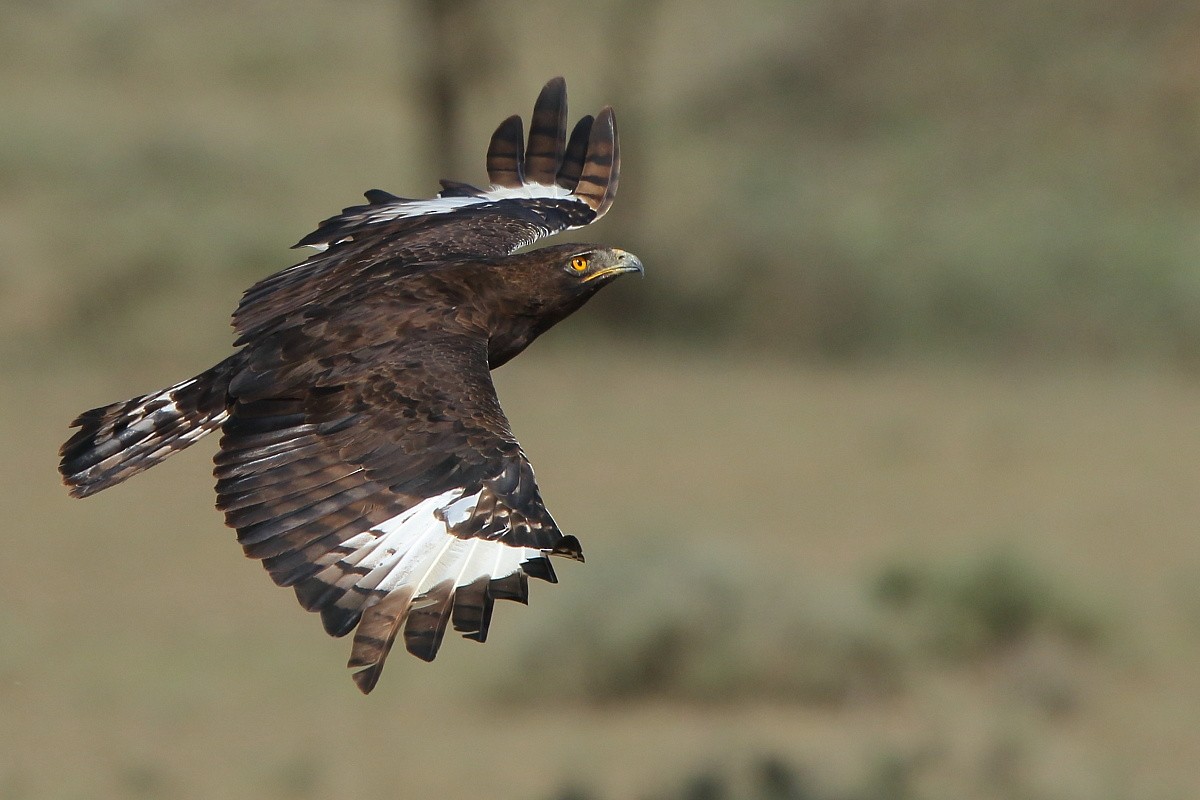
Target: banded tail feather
{"x":117,"y":441}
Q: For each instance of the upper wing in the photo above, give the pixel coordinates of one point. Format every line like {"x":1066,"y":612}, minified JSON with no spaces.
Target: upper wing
{"x":393,"y":498}
{"x":553,"y":185}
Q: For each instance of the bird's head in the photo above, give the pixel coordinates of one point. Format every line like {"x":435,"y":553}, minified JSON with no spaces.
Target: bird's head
{"x":577,"y":271}
{"x":537,"y":289}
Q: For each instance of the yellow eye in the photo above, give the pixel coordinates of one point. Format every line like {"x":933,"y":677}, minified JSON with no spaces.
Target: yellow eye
{"x":579,"y":263}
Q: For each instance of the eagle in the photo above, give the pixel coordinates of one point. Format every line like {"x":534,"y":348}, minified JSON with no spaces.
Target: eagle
{"x":364,"y":458}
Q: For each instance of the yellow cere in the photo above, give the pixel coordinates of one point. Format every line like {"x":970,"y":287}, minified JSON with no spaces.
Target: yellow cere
{"x":579,"y":263}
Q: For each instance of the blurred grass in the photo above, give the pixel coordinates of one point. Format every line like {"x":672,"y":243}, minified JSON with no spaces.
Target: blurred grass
{"x":888,"y":776}
{"x":990,"y":605}
{"x":138,"y":639}
{"x":712,"y":628}
{"x":819,"y":179}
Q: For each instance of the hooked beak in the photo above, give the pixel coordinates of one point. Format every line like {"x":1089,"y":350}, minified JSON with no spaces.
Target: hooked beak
{"x":626,"y":262}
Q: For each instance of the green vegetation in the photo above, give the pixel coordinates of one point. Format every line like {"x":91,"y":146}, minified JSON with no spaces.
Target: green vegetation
{"x":834,"y":179}
{"x":988,"y":606}
{"x":710,"y":633}
{"x":1054,"y":660}
{"x":729,"y":631}
{"x":889,"y":776}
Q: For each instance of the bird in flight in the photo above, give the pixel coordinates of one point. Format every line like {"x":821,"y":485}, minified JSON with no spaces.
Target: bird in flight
{"x":364,"y":457}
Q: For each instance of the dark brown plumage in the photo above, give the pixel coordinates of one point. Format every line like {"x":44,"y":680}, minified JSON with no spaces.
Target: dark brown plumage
{"x":364,"y":456}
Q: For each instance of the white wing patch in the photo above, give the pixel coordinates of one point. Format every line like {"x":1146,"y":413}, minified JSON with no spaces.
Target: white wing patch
{"x":532,"y":191}
{"x":407,"y":209}
{"x":445,"y":205}
{"x":415,"y":550}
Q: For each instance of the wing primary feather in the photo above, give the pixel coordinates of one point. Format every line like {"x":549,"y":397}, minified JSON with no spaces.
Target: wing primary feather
{"x":339,"y":621}
{"x":610,"y":194}
{"x":466,"y":611}
{"x":576,"y":152}
{"x":473,"y":609}
{"x":547,"y":133}
{"x":426,"y":625}
{"x":514,"y":586}
{"x":506,"y":154}
{"x":539,"y":567}
{"x":376,"y":633}
{"x":479,"y":599}
{"x":600,"y":168}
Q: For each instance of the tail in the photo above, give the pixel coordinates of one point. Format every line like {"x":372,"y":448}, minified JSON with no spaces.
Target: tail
{"x":116,"y":441}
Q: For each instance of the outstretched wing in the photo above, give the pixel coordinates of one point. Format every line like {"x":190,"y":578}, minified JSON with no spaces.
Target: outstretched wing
{"x":392,"y":496}
{"x":555,"y":184}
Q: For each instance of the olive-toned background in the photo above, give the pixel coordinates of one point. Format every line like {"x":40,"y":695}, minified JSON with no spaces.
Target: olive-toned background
{"x":886,"y":472}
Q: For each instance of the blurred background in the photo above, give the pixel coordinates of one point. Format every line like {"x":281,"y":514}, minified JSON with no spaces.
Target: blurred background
{"x":886,"y":472}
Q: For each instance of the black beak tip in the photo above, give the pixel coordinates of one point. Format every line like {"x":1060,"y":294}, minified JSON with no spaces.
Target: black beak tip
{"x":632,"y":263}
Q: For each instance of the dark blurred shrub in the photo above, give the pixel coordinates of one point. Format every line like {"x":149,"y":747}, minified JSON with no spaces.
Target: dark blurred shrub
{"x":688,"y":630}
{"x":893,"y":774}
{"x":888,"y":777}
{"x":906,"y":178}
{"x":716,"y":633}
{"x":997,"y":601}
{"x":768,"y":778}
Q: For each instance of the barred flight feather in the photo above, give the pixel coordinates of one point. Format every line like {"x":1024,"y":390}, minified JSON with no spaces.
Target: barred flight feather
{"x":414,"y":555}
{"x":556,"y":169}
{"x":117,"y":441}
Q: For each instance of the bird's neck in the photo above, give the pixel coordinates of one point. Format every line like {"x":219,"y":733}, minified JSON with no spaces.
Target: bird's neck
{"x":514,"y":335}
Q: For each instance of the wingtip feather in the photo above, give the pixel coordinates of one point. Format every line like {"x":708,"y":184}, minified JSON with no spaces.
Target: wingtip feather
{"x":601,"y":166}
{"x":573,"y":158}
{"x":547,"y":133}
{"x":506,"y":154}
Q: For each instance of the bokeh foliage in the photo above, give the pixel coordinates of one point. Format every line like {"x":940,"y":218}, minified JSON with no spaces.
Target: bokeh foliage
{"x":819,"y":179}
